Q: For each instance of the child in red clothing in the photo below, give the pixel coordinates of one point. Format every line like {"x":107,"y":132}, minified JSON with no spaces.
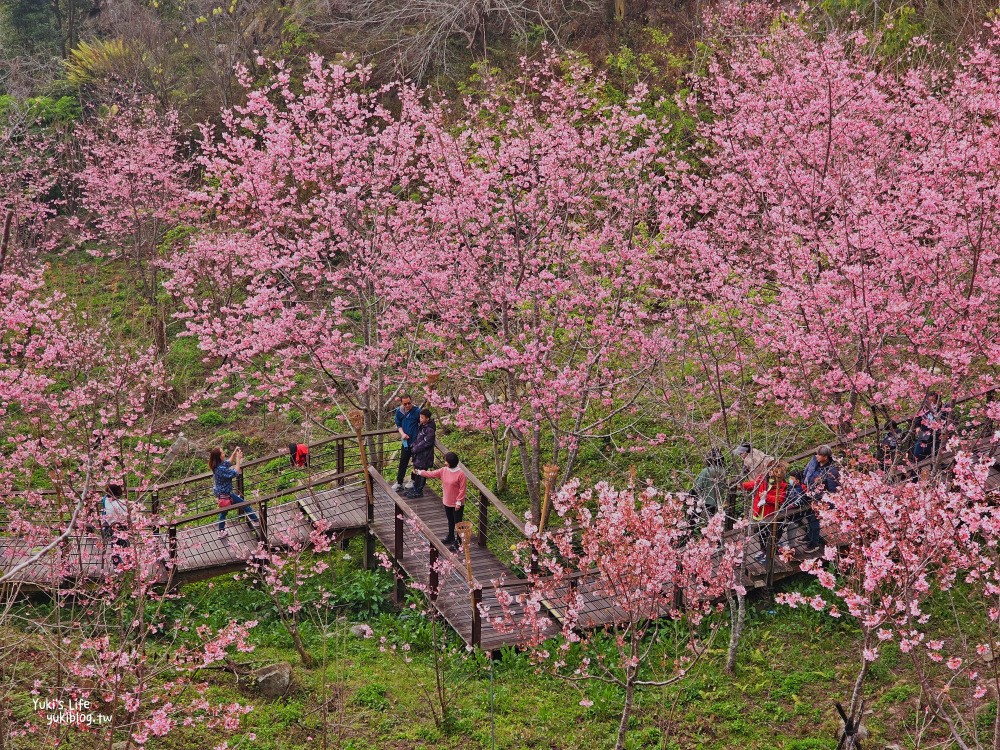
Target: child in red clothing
{"x":452,"y":492}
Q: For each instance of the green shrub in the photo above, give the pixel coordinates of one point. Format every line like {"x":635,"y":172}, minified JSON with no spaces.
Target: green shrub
{"x":366,"y":592}
{"x":211,"y":418}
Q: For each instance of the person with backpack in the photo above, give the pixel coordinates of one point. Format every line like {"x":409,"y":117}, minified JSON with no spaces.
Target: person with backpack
{"x":114,"y":519}
{"x":821,"y":477}
{"x":798,"y":498}
{"x":224,"y":472}
{"x":768,"y":492}
{"x":452,"y":492}
{"x":407,"y":418}
{"x":712,"y":483}
{"x":298,"y":455}
{"x":927,"y":428}
{"x":422,"y":449}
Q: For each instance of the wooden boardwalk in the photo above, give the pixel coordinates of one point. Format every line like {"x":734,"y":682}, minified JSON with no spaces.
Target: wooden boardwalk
{"x":192,"y":548}
{"x":345,"y":495}
{"x":412,"y":530}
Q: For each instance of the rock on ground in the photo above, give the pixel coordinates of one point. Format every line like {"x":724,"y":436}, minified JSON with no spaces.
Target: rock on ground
{"x":274,"y":680}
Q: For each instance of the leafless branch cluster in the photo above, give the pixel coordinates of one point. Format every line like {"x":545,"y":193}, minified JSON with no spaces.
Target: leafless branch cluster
{"x":415,"y":36}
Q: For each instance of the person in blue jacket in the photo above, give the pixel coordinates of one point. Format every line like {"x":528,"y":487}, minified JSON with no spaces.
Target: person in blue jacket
{"x":407,"y":422}
{"x":821,"y":477}
{"x":224,"y":472}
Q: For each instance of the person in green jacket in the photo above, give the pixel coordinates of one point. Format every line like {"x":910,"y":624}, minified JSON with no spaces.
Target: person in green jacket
{"x":712,"y":483}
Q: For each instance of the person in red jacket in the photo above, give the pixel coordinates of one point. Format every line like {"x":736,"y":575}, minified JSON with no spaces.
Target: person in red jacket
{"x":768,"y":492}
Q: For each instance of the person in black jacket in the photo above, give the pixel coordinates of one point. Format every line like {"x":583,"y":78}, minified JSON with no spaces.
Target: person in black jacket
{"x":422,"y":449}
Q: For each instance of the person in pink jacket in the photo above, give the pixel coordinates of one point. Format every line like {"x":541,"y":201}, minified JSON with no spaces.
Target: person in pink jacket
{"x":452,"y":492}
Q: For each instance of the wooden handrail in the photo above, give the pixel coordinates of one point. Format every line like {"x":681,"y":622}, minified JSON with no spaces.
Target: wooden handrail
{"x":266,"y":459}
{"x":422,"y":527}
{"x":494,"y":500}
{"x":871,"y":430}
{"x":273,"y":496}
{"x":209,"y":514}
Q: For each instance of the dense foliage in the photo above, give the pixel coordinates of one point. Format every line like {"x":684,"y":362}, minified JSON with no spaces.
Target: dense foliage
{"x":796,"y":235}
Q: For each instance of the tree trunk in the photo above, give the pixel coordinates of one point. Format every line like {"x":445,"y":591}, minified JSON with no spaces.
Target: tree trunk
{"x":858,"y":685}
{"x":737,"y":618}
{"x":626,"y":711}
{"x":503,"y":467}
{"x":5,"y":239}
{"x":996,"y":727}
{"x":293,"y":630}
{"x":530,"y":466}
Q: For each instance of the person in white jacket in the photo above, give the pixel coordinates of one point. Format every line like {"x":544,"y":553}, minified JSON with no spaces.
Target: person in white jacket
{"x":754,"y":460}
{"x":114,"y":519}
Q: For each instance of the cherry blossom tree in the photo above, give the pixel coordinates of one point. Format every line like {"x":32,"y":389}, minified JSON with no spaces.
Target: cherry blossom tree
{"x":79,"y":407}
{"x":846,"y":213}
{"x":312,"y":223}
{"x":362,"y":248}
{"x":905,"y":544}
{"x":618,"y":569}
{"x":549,"y":320}
{"x":289,"y":571}
{"x":132,"y":185}
{"x":27,"y":175}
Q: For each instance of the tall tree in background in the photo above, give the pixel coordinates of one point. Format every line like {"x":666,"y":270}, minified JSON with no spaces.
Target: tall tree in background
{"x":547,"y":309}
{"x":132,"y":186}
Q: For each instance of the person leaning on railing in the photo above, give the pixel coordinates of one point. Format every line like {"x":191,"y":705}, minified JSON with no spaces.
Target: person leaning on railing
{"x":114,"y":519}
{"x":768,"y":491}
{"x":754,"y":460}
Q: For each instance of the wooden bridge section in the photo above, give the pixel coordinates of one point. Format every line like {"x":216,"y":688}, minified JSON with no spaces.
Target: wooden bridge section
{"x":341,"y":492}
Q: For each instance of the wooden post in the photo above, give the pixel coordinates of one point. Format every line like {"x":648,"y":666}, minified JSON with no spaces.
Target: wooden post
{"x":730,"y":521}
{"x":464,"y":531}
{"x":397,"y":552}
{"x":772,"y":549}
{"x":477,"y":619}
{"x":154,"y":507}
{"x":358,"y":423}
{"x":263,"y":521}
{"x":340,"y":460}
{"x":549,"y":473}
{"x":484,"y":516}
{"x":432,"y":574}
{"x":239,"y":484}
{"x":172,"y":542}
